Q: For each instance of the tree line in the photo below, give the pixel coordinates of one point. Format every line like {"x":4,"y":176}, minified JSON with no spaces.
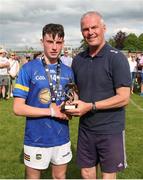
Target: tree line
{"x":123,"y":41}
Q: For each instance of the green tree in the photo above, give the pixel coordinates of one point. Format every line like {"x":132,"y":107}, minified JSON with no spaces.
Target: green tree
{"x":112,"y":42}
{"x":140,"y":42}
{"x":83,"y":44}
{"x":131,"y":42}
{"x":119,"y":39}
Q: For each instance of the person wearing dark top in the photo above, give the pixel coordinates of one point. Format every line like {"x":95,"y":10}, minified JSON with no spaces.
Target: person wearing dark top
{"x":103,"y":79}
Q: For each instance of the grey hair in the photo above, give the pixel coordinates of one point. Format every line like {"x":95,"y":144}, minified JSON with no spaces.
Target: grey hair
{"x":92,"y":13}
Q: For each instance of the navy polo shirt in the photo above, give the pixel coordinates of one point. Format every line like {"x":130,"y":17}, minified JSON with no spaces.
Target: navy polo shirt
{"x":97,"y":79}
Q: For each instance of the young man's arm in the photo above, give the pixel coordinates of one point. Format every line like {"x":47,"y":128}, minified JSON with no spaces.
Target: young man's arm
{"x":22,"y":109}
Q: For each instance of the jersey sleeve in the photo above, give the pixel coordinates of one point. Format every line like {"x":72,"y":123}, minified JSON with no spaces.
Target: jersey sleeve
{"x":121,"y":71}
{"x":21,"y":88}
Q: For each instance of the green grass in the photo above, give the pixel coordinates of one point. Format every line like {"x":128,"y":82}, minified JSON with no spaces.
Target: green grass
{"x":11,"y":143}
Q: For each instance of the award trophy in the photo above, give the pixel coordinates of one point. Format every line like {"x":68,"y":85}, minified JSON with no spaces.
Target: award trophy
{"x":70,"y":94}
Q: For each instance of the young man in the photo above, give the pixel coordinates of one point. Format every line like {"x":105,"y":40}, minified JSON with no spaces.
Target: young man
{"x":38,"y":92}
{"x":103,"y":78}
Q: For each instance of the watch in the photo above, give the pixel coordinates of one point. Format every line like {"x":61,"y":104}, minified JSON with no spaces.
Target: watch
{"x":94,"y":107}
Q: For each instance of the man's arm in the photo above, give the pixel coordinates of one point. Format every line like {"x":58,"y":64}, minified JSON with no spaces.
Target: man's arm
{"x":119,"y":100}
{"x":4,"y":65}
{"x":22,"y":109}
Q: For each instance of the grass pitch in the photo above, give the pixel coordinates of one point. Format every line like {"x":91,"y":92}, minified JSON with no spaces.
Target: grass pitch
{"x":11,"y":143}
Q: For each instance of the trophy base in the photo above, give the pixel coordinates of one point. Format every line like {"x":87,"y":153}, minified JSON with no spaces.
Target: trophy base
{"x":68,"y":107}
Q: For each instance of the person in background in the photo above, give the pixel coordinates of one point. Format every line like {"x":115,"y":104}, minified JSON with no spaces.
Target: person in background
{"x":66,"y":59}
{"x":28,"y":57}
{"x":37,"y":55}
{"x":38,"y":94}
{"x":103,"y":79}
{"x":138,"y":73}
{"x":13,"y":71}
{"x":133,"y":70}
{"x":141,"y":65}
{"x":4,"y":77}
{"x":129,"y":56}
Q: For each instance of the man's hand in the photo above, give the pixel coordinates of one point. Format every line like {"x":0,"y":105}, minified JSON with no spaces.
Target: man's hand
{"x":82,"y":108}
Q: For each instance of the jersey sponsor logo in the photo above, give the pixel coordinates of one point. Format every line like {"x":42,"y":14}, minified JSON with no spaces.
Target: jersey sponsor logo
{"x":41,"y":78}
{"x":66,"y":78}
{"x":52,"y":71}
{"x":44,"y":96}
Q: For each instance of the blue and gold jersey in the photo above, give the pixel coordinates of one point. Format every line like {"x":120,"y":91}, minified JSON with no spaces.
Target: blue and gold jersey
{"x":32,"y":84}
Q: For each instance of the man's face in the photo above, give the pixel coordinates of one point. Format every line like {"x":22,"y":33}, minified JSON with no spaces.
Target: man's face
{"x":52,"y":47}
{"x":3,"y":54}
{"x":93,"y":30}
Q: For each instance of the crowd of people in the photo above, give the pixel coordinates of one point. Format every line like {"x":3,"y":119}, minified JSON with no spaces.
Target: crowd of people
{"x":136,"y":69}
{"x":9,"y":68}
{"x":103,"y":78}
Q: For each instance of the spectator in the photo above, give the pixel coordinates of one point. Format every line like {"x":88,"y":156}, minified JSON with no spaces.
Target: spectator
{"x":4,"y":77}
{"x":133,"y":70}
{"x":141,"y":64}
{"x":13,"y":72}
{"x":66,"y":59}
{"x":37,"y":55}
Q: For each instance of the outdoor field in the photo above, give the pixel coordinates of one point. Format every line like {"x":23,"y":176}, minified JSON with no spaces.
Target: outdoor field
{"x":11,"y":143}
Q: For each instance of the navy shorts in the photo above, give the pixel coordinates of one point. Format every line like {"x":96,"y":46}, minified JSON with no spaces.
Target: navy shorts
{"x":141,"y":77}
{"x":106,"y":149}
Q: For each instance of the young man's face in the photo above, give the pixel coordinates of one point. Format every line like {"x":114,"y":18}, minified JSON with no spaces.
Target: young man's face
{"x":52,"y":47}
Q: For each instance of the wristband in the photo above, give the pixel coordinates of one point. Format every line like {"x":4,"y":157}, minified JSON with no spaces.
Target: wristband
{"x":52,"y":112}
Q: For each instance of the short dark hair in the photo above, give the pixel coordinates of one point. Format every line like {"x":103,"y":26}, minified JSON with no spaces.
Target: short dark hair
{"x":53,"y":29}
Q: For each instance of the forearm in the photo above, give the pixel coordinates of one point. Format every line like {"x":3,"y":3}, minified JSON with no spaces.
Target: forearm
{"x":26,"y":110}
{"x":113,"y":102}
{"x":4,"y":65}
{"x":119,"y":100}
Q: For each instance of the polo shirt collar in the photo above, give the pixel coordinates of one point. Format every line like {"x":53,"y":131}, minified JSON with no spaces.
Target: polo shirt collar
{"x":101,"y":53}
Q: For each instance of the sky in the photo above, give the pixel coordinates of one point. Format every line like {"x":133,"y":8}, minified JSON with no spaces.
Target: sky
{"x":21,"y":21}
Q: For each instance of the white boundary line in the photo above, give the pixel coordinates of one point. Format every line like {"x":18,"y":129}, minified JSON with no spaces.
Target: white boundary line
{"x":137,"y":106}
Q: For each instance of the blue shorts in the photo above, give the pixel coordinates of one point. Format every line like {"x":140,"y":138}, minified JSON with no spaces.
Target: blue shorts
{"x":106,"y":149}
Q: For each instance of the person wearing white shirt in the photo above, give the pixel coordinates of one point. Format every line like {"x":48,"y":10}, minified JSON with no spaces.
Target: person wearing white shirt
{"x":4,"y":77}
{"x":66,"y":59}
{"x":141,"y":64}
{"x":13,"y":71}
{"x":133,"y":69}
